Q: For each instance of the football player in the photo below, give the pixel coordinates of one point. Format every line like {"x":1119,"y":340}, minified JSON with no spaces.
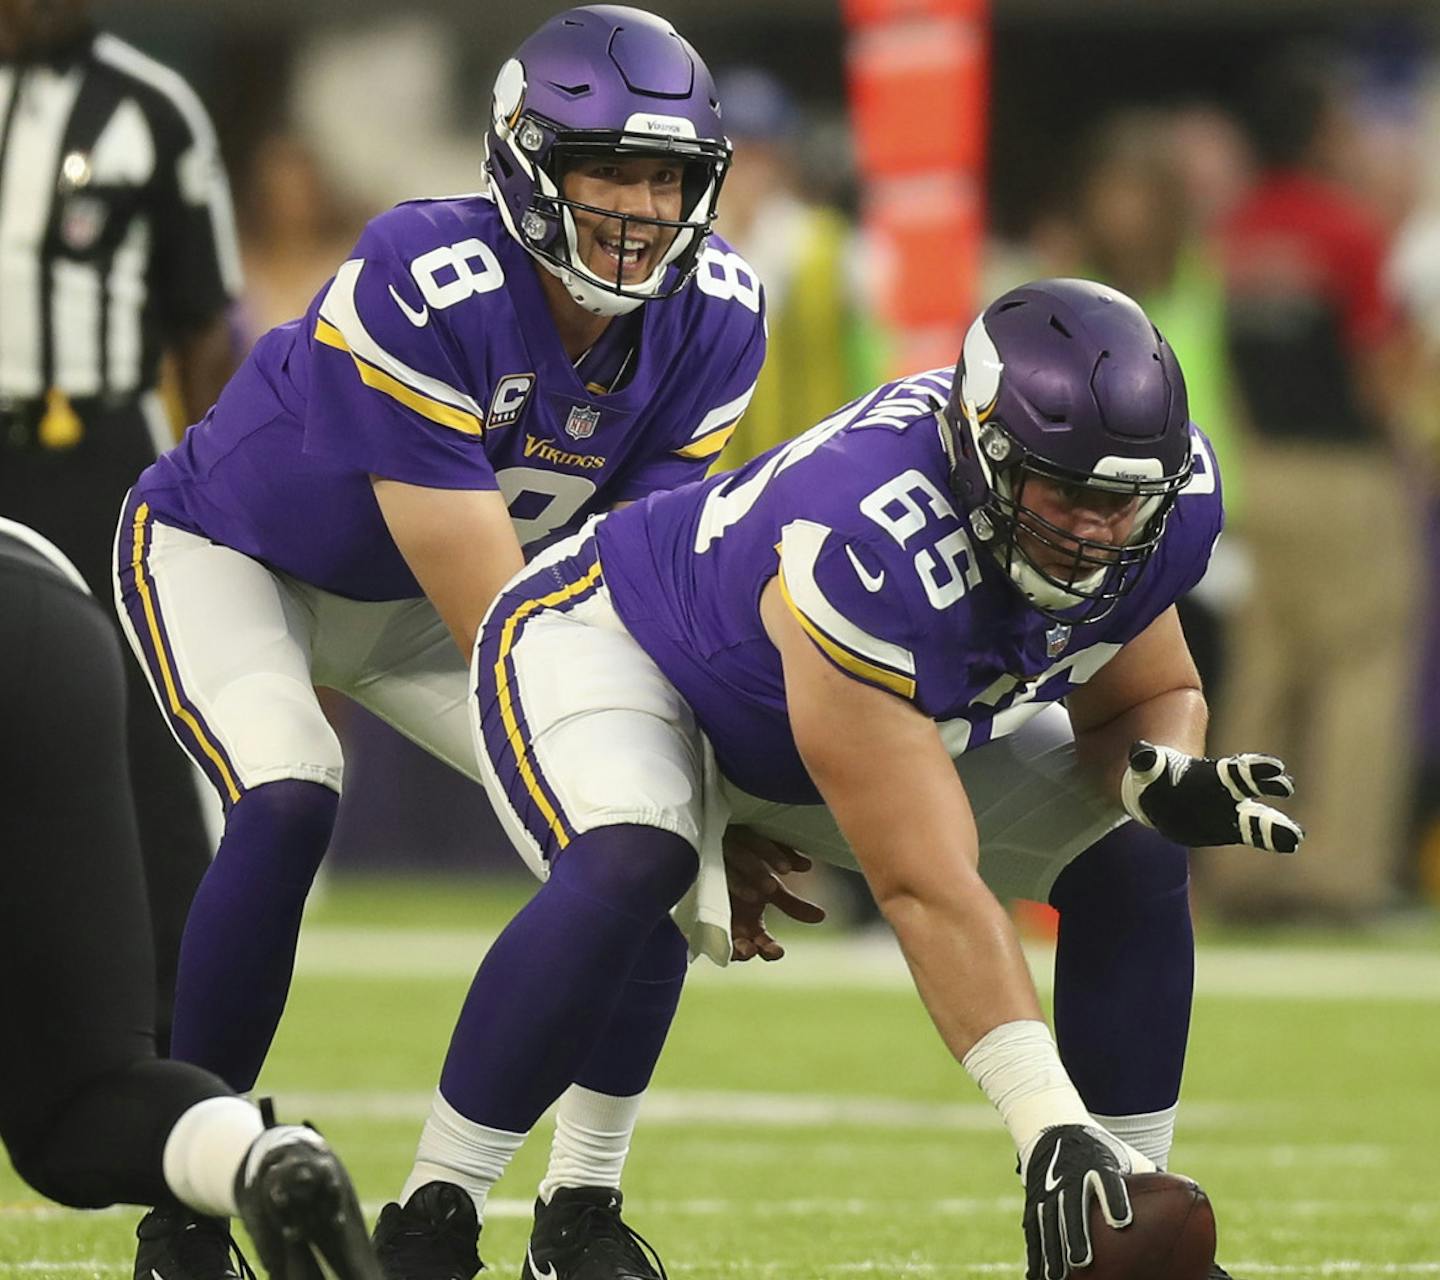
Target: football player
{"x":934,"y":635}
{"x":482,"y":372}
{"x":89,"y":1115}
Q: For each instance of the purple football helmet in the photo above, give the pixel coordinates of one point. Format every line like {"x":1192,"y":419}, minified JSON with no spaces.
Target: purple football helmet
{"x":604,"y":80}
{"x":1068,"y":380}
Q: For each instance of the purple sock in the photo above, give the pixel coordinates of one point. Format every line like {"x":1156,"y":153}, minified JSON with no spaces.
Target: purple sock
{"x":624,"y":1057}
{"x":238,"y":951}
{"x":1125,"y":971}
{"x":547,"y":990}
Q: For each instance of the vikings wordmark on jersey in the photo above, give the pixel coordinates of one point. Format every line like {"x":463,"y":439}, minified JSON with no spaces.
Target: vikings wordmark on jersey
{"x":431,"y":359}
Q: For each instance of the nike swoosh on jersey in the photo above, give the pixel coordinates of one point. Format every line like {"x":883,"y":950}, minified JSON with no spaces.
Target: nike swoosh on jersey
{"x":547,"y":1274}
{"x":418,"y":318}
{"x":872,"y":582}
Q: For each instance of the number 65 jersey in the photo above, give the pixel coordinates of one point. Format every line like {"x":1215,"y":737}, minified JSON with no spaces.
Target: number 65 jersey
{"x":431,"y":358}
{"x":878,"y":561}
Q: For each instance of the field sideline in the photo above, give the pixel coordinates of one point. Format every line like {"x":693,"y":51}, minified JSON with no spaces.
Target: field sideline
{"x":806,"y":1121}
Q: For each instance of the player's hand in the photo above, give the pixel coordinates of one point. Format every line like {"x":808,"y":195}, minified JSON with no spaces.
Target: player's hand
{"x":1066,"y":1169}
{"x":1197,"y":801}
{"x":753,"y":867}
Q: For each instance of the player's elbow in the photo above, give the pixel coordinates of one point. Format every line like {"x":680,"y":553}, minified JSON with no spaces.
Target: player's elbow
{"x":913,"y":901}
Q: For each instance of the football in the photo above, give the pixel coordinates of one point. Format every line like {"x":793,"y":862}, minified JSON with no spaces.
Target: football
{"x":1172,"y":1236}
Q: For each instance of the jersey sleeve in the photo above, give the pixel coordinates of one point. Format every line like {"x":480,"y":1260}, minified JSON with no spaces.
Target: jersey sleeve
{"x":848,"y":595}
{"x":688,"y":452}
{"x":1184,"y":555}
{"x":387,"y":391}
{"x":196,"y":264}
{"x":1200,"y":513}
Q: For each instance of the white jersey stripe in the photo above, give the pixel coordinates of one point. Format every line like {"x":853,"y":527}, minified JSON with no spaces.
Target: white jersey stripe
{"x":36,"y":130}
{"x":800,"y":545}
{"x":127,"y":291}
{"x":75,"y":313}
{"x":208,"y":185}
{"x":339,"y":310}
{"x":724,"y":415}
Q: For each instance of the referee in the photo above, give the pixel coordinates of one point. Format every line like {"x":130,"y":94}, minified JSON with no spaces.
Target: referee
{"x":116,"y":247}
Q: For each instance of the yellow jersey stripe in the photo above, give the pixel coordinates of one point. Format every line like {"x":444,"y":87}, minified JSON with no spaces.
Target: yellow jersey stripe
{"x":707,"y":446}
{"x":870,"y":672}
{"x":172,"y":696}
{"x":507,"y":706}
{"x":446,"y":415}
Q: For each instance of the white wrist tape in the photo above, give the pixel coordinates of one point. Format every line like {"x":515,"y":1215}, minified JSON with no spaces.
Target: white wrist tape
{"x":1017,"y":1066}
{"x":1134,"y":781}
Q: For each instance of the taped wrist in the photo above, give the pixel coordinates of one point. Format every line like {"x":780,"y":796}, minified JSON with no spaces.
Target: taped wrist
{"x":1018,"y":1067}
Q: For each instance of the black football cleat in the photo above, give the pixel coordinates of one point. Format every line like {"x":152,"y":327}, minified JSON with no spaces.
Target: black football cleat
{"x":1217,"y":1272}
{"x":180,"y":1244}
{"x":301,"y":1211}
{"x":434,"y":1236}
{"x":580,"y":1235}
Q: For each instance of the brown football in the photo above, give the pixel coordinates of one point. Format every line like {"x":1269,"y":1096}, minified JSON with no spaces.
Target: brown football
{"x":1172,"y":1236}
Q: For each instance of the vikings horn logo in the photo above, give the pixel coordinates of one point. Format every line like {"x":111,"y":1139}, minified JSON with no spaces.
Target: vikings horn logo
{"x":983,"y":368}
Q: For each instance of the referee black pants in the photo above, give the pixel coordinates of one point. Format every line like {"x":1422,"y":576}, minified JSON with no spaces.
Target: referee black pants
{"x":73,"y":496}
{"x":85,"y":1107}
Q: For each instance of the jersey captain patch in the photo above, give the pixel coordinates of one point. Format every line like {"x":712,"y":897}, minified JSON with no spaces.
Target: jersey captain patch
{"x":508,"y":402}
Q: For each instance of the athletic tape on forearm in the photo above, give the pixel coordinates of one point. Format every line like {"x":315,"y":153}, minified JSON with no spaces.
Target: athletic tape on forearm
{"x":1017,"y":1066}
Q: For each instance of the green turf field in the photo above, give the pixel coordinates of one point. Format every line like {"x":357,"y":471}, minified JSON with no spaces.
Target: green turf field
{"x":807,"y":1123}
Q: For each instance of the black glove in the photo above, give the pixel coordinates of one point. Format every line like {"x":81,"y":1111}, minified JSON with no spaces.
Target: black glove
{"x":1197,"y":801}
{"x":1067,"y":1168}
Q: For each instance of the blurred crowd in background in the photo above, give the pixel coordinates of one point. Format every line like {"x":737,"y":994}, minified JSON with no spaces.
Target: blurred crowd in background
{"x":1271,"y":195}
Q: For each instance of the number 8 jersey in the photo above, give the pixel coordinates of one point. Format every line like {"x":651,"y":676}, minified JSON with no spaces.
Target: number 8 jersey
{"x":877,"y":560}
{"x":431,"y":358}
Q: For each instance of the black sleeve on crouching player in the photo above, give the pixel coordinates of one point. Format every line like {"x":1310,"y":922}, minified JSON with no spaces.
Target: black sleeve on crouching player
{"x":84,"y":1105}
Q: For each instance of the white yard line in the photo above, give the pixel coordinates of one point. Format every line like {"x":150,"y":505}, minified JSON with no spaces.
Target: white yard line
{"x":499,"y":1207}
{"x":890,"y":1266}
{"x":683,"y":1107}
{"x":873,"y":962}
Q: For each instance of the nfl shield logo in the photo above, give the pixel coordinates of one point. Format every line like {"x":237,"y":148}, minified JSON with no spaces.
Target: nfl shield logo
{"x":580,"y":425}
{"x":82,"y":221}
{"x":1056,"y":639}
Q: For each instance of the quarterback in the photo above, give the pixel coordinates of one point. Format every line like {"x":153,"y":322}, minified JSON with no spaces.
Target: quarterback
{"x":934,"y":636}
{"x":482,"y":373}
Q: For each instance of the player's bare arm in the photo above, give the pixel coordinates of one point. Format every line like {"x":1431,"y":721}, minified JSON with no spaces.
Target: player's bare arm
{"x":204,"y":361}
{"x":1140,"y":727}
{"x":460,"y":545}
{"x":1149,"y":690}
{"x":880,"y":765}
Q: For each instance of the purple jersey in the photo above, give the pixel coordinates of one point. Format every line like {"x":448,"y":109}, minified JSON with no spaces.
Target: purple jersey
{"x":432,"y":359}
{"x":882,"y":570}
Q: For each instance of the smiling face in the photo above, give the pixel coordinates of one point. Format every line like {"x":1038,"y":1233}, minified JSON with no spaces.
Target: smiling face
{"x":611,"y":245}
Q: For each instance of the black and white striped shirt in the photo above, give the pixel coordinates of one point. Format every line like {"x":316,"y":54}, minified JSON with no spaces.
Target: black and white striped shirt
{"x":116,"y":227}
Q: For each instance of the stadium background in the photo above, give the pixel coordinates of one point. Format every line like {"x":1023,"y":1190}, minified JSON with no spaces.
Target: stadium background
{"x":779,"y":1143}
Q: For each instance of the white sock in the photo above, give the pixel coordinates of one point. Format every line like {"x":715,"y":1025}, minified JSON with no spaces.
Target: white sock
{"x":592,"y":1139}
{"x":1151,"y":1133}
{"x":204,"y":1151}
{"x":460,"y":1151}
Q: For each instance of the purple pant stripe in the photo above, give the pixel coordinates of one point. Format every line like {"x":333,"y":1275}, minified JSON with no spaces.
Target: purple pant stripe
{"x":506,"y":732}
{"x":142,"y":606}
